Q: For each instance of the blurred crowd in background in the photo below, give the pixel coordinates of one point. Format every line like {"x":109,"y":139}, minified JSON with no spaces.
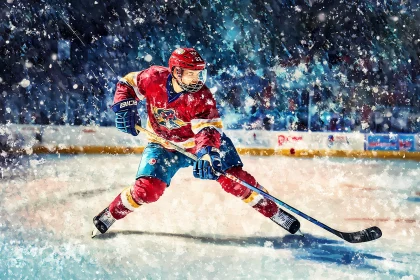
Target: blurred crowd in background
{"x":273,"y":65}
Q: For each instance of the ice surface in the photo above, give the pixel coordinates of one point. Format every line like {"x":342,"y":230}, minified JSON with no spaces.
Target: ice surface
{"x":197,"y":231}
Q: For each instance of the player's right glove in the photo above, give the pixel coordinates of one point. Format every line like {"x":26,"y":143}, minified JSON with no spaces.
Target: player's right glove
{"x":126,"y":116}
{"x":208,"y":166}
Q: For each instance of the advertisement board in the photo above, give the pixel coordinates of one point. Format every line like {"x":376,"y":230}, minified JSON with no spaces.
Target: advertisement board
{"x":391,"y":142}
{"x":108,"y":137}
{"x":382,"y":142}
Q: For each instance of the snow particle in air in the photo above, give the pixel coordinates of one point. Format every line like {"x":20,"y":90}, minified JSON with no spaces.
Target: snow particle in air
{"x":24,"y":83}
{"x":148,"y":58}
{"x":321,"y":17}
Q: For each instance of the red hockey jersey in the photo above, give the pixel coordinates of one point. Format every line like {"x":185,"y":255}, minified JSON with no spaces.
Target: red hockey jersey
{"x":190,"y":120}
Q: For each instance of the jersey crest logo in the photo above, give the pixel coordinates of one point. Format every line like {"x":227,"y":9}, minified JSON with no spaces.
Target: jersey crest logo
{"x":167,"y":118}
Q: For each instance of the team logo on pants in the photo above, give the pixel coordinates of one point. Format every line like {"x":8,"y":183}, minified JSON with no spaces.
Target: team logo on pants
{"x":167,"y":118}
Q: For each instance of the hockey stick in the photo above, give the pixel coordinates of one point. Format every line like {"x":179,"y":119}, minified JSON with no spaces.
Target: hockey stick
{"x":365,"y":235}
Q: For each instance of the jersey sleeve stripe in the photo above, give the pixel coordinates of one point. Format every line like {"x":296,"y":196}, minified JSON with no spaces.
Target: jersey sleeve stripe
{"x":131,"y":80}
{"x":198,"y":124}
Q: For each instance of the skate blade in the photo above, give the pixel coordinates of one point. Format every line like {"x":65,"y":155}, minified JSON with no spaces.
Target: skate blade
{"x":300,"y":233}
{"x":95,"y":232}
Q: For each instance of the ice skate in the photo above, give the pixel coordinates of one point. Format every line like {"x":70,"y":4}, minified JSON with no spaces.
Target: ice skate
{"x":286,"y":221}
{"x":102,"y":222}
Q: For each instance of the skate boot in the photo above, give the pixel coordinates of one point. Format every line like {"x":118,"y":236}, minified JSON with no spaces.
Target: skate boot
{"x":102,"y":222}
{"x":286,"y":221}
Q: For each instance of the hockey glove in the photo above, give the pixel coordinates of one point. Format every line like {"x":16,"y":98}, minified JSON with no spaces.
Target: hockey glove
{"x":126,"y":116}
{"x":208,"y":166}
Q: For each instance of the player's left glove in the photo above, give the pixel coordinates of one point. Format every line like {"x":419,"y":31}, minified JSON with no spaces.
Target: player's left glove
{"x":208,"y":166}
{"x":126,"y":116}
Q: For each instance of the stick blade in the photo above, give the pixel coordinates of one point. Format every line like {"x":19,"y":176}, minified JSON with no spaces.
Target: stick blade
{"x":365,"y":235}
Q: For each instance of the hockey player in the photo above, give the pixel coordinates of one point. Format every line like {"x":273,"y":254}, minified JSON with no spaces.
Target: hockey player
{"x":182,"y":110}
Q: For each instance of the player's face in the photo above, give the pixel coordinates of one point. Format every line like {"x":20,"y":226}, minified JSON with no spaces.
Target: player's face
{"x":191,"y":76}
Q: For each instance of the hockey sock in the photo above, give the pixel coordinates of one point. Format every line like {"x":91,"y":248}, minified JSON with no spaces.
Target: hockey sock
{"x":255,"y":200}
{"x":123,"y":204}
{"x":145,"y":190}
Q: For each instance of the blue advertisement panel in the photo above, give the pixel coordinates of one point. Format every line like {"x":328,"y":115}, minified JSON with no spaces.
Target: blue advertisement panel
{"x":393,"y":142}
{"x":407,"y":143}
{"x":382,"y":142}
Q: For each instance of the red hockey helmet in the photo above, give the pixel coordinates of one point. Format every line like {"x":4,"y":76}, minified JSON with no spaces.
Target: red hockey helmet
{"x":188,"y":59}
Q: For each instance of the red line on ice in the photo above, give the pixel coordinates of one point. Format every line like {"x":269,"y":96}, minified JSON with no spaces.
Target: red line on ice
{"x":359,"y":188}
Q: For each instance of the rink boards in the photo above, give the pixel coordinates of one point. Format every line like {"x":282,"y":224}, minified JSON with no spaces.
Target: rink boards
{"x":94,"y":139}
